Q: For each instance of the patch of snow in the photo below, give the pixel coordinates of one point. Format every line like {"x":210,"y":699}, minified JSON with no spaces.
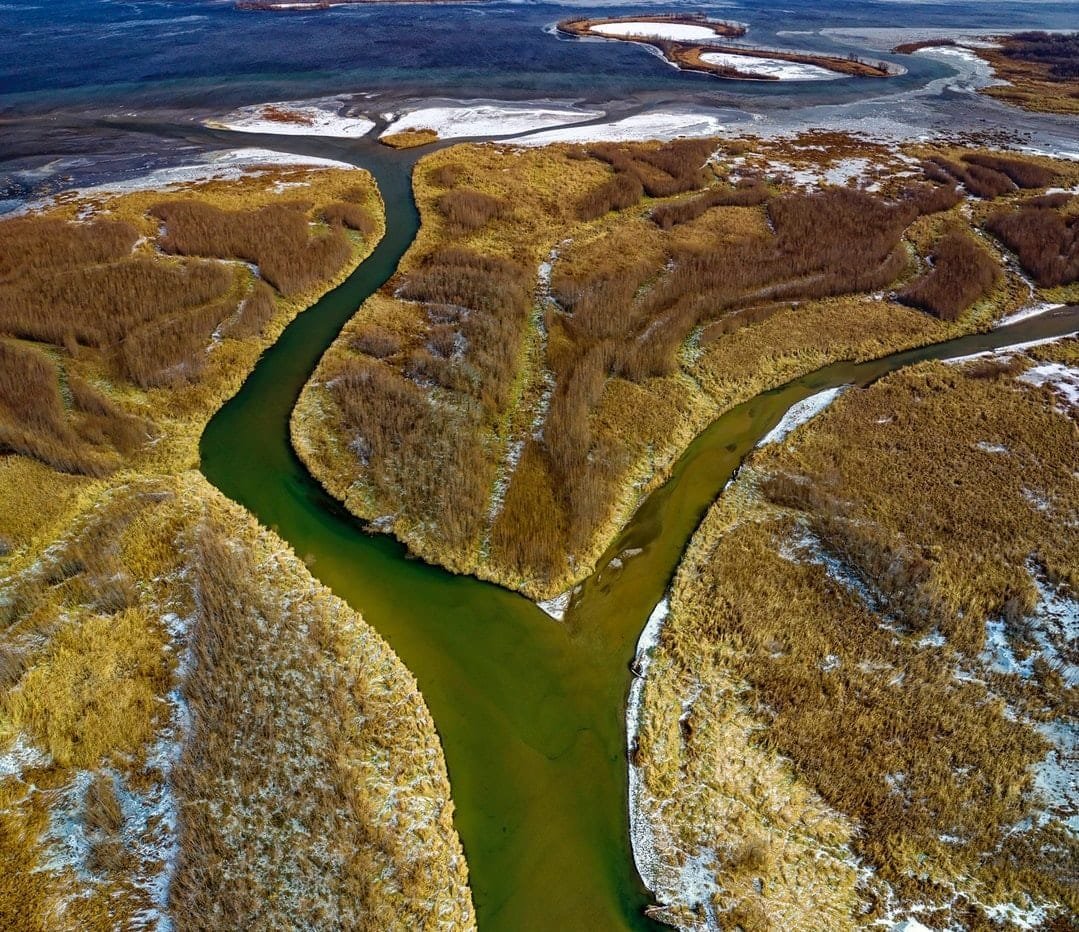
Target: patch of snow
{"x":657,"y":124}
{"x":771,"y":67}
{"x":676,"y":32}
{"x":800,"y":412}
{"x":641,"y":830}
{"x":487,"y":118}
{"x":990,"y":447}
{"x":1011,"y":348}
{"x":557,"y":606}
{"x":1035,"y":310}
{"x":19,"y":757}
{"x":227,"y":165}
{"x":1061,"y":379}
{"x":311,"y":119}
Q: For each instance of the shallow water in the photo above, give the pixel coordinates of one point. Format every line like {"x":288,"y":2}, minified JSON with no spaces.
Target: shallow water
{"x":530,"y":710}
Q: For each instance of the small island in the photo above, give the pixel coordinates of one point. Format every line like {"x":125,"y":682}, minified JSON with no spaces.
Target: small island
{"x":690,"y":43}
{"x":1039,"y":71}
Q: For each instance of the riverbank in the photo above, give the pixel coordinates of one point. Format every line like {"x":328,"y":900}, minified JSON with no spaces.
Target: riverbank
{"x":775,"y":830}
{"x":529,"y":419}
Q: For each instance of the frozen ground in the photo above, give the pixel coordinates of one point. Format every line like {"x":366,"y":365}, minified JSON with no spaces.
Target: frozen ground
{"x":486,"y":118}
{"x":772,"y":67}
{"x":676,"y":32}
{"x":308,"y":119}
{"x":660,"y":124}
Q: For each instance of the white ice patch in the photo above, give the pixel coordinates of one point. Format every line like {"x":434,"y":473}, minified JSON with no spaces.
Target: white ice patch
{"x":1063,"y":380}
{"x":1035,"y":310}
{"x":771,"y":67}
{"x":800,"y":412}
{"x":227,"y":165}
{"x":557,"y":606}
{"x":487,"y":118}
{"x":641,"y":830}
{"x":676,"y":32}
{"x":309,"y":119}
{"x":20,"y":756}
{"x":660,"y":124}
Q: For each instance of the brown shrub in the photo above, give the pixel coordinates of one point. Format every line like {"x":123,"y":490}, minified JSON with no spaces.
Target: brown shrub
{"x":1046,"y":242}
{"x":34,"y":244}
{"x":933,"y":198}
{"x":277,"y":238}
{"x":353,"y":216}
{"x":99,"y":305}
{"x":1023,"y":173}
{"x":666,"y":216}
{"x":256,"y":311}
{"x":376,"y":341}
{"x":172,"y":351}
{"x":467,"y":210}
{"x":963,"y":271}
{"x":979,"y":180}
{"x":620,"y":192}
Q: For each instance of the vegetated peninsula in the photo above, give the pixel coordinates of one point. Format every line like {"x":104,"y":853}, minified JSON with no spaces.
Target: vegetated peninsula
{"x":1039,"y":70}
{"x":692,"y":43}
{"x":570,"y":317}
{"x":193,"y":732}
{"x":859,"y":711}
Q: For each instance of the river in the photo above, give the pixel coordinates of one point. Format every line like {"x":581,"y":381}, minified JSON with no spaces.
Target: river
{"x":530,"y":711}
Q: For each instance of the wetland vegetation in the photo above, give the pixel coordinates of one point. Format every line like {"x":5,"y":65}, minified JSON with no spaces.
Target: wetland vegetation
{"x":570,"y":318}
{"x":860,"y":703}
{"x":170,"y":674}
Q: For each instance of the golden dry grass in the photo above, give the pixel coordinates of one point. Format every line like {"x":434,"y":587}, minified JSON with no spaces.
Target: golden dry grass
{"x":506,"y":424}
{"x":828,"y":624}
{"x":307,"y":774}
{"x":409,"y":138}
{"x":106,"y":377}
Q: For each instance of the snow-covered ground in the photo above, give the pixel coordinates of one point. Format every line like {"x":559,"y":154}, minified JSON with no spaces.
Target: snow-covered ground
{"x":655,"y":125}
{"x":1026,"y":313}
{"x":227,"y":165}
{"x":557,"y":606}
{"x":676,"y":32}
{"x":308,"y":119}
{"x":1063,"y":380}
{"x":800,"y":412}
{"x":772,"y":67}
{"x":641,"y":829}
{"x":487,"y":118}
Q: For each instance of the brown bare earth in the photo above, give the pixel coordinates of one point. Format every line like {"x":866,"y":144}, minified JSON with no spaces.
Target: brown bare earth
{"x":569,"y":318}
{"x":191,"y":728}
{"x":860,"y":705}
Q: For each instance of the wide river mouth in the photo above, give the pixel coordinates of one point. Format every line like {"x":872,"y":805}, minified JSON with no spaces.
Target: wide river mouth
{"x":530,"y":711}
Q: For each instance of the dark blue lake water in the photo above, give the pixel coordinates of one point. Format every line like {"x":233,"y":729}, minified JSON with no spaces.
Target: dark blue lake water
{"x":112,"y":53}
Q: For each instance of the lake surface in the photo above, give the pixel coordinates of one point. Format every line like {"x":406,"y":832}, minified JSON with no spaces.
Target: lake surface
{"x":531,"y":711}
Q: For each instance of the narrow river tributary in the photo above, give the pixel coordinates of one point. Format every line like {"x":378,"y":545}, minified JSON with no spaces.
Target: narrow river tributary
{"x":530,"y":710}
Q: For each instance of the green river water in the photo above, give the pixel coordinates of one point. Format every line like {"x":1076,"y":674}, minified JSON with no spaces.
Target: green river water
{"x":530,"y":710}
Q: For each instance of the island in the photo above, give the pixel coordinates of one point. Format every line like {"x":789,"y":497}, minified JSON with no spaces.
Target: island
{"x":691,"y":43}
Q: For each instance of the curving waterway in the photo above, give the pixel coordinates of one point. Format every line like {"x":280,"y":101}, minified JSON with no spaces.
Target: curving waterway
{"x":530,"y":711}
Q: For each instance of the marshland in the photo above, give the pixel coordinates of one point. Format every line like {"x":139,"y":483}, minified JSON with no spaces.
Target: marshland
{"x":544,"y":373}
